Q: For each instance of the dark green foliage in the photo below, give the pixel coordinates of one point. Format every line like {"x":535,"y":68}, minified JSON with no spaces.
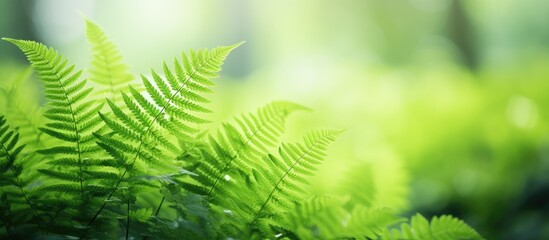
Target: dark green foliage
{"x":17,"y":212}
{"x":137,"y":164}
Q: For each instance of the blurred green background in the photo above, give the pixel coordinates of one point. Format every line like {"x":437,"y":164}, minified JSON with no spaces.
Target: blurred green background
{"x":448,"y":100}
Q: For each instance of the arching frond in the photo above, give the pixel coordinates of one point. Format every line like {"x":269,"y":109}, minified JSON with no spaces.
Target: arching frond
{"x":238,"y":147}
{"x":441,"y":228}
{"x":169,"y":111}
{"x":72,"y":119}
{"x":278,"y":184}
{"x":145,"y":132}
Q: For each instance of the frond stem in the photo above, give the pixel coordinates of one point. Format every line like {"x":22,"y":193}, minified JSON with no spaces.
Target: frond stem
{"x":157,"y":212}
{"x":159,"y":206}
{"x":128,"y":221}
{"x":77,"y":131}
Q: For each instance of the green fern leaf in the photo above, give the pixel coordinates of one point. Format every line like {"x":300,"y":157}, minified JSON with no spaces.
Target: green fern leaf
{"x":319,"y":217}
{"x":107,"y":69}
{"x":368,"y":222}
{"x":73,"y":120}
{"x":238,"y":146}
{"x":171,"y":111}
{"x":143,"y":134}
{"x":325,"y":217}
{"x":275,"y":187}
{"x":441,"y":228}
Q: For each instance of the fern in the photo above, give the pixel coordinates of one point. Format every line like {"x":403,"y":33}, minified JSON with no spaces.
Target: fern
{"x":440,"y":228}
{"x":141,"y":134}
{"x":318,"y":217}
{"x":274,"y":187}
{"x":23,"y":111}
{"x":353,"y":213}
{"x":237,"y":146}
{"x":144,"y":135}
{"x":328,"y":217}
{"x":107,"y":69}
{"x":73,"y":120}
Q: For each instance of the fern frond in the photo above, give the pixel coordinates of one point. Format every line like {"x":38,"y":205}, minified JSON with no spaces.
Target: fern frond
{"x":368,"y":222}
{"x":358,"y":183}
{"x":144,"y":133}
{"x":22,"y":110}
{"x":319,"y":217}
{"x":275,"y":187}
{"x":149,"y":125}
{"x":107,"y":68}
{"x":325,"y":217}
{"x":240,"y":145}
{"x":15,"y":203}
{"x":441,"y":228}
{"x":72,"y":119}
{"x":288,"y":171}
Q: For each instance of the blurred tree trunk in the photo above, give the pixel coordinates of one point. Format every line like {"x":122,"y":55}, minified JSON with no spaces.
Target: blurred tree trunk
{"x":461,"y":32}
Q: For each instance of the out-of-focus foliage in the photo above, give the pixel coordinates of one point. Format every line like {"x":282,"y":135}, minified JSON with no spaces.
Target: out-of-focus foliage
{"x":474,"y":145}
{"x":19,"y":101}
{"x":440,"y":228}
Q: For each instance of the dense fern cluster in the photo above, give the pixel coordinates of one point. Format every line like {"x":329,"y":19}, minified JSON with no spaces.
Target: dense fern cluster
{"x":110,"y":158}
